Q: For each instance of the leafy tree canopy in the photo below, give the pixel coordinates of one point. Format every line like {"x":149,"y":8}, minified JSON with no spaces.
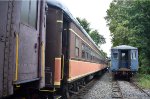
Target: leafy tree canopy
{"x":98,"y":39}
{"x":85,"y":24}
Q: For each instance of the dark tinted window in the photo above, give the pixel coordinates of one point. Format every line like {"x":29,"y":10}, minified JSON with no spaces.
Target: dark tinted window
{"x":33,"y":13}
{"x":25,"y":11}
{"x":77,"y":46}
{"x":83,"y":54}
{"x":29,"y":12}
{"x":133,"y":55}
{"x":83,"y":50}
{"x":87,"y":55}
{"x":115,"y":55}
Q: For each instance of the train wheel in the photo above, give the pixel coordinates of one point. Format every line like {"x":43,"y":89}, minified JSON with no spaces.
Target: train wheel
{"x":65,"y":92}
{"x":76,"y":87}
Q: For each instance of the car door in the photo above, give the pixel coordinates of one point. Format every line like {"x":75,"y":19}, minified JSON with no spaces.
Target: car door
{"x":28,"y":40}
{"x":134,"y":60}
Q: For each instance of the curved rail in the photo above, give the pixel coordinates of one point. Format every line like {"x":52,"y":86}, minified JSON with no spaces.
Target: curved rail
{"x":133,"y":83}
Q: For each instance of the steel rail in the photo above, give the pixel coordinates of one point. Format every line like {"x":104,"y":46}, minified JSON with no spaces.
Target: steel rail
{"x":133,"y":83}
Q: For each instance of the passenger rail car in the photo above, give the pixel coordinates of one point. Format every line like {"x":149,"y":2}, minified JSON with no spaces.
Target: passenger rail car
{"x":71,"y":55}
{"x":44,"y":49}
{"x":22,"y":42}
{"x":124,"y":60}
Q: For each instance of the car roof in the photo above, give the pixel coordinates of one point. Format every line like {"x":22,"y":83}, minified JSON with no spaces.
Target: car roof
{"x":124,"y":47}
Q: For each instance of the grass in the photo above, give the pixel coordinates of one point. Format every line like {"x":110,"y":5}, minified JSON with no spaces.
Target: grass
{"x":143,"y":80}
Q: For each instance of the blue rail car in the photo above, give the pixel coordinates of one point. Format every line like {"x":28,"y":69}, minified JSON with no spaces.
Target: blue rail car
{"x":124,"y":60}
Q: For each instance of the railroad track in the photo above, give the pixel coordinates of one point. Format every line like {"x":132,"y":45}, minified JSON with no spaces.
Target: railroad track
{"x":128,"y":90}
{"x":136,"y":85}
{"x":84,"y":90}
{"x":116,"y":91}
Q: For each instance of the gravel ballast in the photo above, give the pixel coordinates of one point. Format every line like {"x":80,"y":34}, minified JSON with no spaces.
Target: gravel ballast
{"x":101,"y":89}
{"x":131,"y":92}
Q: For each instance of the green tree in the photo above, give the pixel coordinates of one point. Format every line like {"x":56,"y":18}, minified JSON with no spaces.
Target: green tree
{"x":85,"y":24}
{"x":103,"y":54}
{"x":97,"y":38}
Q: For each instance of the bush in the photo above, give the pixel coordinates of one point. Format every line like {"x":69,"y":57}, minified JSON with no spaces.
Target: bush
{"x":144,"y":81}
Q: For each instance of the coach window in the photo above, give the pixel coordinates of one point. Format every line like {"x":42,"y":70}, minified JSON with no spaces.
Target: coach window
{"x":91,"y":55}
{"x":123,"y":56}
{"x":115,"y":55}
{"x":87,"y":55}
{"x":86,"y":52}
{"x":77,"y":46}
{"x":29,"y":12}
{"x":134,"y":55}
{"x":83,"y":50}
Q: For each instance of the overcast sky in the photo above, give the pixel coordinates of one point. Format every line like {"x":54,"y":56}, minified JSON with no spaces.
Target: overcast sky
{"x":94,"y":11}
